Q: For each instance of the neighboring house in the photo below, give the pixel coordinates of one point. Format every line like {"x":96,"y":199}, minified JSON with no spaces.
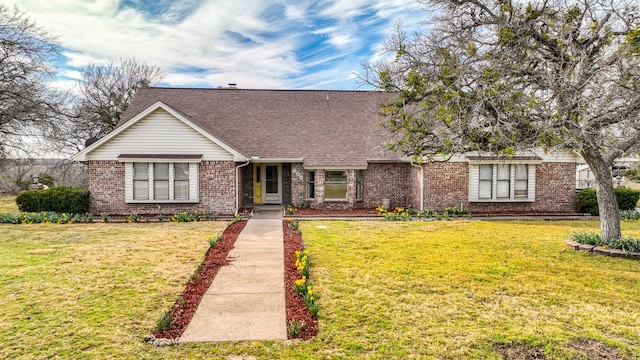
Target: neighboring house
{"x":584,"y":177}
{"x":216,"y":150}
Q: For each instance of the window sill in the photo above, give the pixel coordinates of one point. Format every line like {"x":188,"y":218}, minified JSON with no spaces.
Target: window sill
{"x":162,"y":202}
{"x":336,"y":200}
{"x":502,"y":200}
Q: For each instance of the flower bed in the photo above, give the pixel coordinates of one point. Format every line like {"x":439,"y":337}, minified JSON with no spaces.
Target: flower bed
{"x":300,"y":322}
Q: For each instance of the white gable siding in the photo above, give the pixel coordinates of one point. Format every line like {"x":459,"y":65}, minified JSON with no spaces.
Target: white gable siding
{"x":160,"y":133}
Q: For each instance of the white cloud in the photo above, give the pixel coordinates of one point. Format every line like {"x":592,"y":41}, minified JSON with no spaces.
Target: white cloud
{"x":253,"y":43}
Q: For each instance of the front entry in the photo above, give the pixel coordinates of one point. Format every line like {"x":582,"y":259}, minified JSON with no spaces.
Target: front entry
{"x":267,"y":184}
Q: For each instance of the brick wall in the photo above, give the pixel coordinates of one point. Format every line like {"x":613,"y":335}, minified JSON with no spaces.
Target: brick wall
{"x":298,"y":183}
{"x":287,"y":178}
{"x":447,"y":185}
{"x":217,"y":190}
{"x":246,"y":187}
{"x":387,"y":181}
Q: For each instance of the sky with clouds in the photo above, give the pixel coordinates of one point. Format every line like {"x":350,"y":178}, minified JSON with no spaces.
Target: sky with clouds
{"x":281,"y":44}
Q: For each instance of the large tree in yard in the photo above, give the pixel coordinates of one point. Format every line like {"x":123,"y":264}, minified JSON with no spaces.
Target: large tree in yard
{"x":27,"y":104}
{"x":500,"y":76}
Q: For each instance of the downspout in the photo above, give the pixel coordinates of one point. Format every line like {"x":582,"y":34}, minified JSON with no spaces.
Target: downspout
{"x":421,"y":184}
{"x":238,"y":184}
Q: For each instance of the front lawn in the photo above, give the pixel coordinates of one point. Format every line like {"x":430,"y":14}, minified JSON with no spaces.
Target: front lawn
{"x":457,"y":289}
{"x":8,"y":204}
{"x":387,"y":290}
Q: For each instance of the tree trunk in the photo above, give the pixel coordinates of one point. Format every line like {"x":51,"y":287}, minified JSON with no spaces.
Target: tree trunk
{"x":607,"y":204}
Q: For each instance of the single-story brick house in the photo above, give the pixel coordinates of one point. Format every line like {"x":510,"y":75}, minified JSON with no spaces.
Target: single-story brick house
{"x":216,"y":150}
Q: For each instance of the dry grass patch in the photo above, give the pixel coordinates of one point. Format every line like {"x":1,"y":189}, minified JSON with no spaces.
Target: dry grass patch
{"x":8,"y":204}
{"x":92,"y":290}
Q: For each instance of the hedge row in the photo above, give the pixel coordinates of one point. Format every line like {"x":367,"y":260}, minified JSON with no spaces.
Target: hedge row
{"x":588,"y":203}
{"x":58,"y":199}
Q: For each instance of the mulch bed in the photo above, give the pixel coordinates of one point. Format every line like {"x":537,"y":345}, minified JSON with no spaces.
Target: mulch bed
{"x":337,"y":212}
{"x":216,"y":257}
{"x":296,"y":308}
{"x":187,"y":303}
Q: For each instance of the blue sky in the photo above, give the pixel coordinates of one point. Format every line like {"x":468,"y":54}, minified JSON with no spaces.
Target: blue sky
{"x":283,"y":44}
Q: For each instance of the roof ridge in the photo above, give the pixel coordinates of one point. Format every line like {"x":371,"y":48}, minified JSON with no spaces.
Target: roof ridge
{"x":251,"y":89}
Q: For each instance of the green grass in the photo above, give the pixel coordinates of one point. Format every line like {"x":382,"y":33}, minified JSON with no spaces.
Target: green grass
{"x":432,"y":290}
{"x":8,"y":204}
{"x":453,"y":289}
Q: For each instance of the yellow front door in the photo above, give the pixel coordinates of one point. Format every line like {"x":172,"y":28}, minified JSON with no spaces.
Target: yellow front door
{"x":257,"y":184}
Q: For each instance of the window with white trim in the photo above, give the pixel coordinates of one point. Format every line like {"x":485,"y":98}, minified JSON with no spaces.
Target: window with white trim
{"x":501,"y":182}
{"x":181,"y":181}
{"x":140,"y":181}
{"x":335,"y":184}
{"x":161,"y":182}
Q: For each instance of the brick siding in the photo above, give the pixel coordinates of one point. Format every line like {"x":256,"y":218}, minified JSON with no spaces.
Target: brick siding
{"x":387,"y":181}
{"x":447,"y":185}
{"x":216,"y":186}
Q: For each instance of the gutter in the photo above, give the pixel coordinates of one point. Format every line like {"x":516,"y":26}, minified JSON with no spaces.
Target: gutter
{"x":238,"y":184}
{"x":421,"y":184}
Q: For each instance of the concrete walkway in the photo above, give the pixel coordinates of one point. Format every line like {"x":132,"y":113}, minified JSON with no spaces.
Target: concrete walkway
{"x":246,"y":300}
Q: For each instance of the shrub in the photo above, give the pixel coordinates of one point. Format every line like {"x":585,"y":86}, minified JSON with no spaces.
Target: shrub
{"x":622,"y":243}
{"x":47,"y":179}
{"x":44,"y":217}
{"x":627,"y":198}
{"x":630,"y":215}
{"x":626,"y":244}
{"x":296,"y":327}
{"x":187,"y":217}
{"x":633,"y":174}
{"x":58,"y":199}
{"x":588,"y":238}
{"x":213,"y":240}
{"x":588,"y":203}
{"x":164,"y":321}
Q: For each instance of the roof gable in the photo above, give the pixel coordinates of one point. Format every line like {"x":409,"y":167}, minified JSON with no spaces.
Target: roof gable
{"x":325,"y":128}
{"x":159,"y":129}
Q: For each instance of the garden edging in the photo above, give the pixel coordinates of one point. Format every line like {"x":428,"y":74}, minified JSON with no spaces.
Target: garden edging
{"x":602,"y":250}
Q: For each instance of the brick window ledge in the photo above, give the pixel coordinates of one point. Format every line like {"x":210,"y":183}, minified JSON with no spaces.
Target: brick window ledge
{"x":163,"y":202}
{"x":501,"y":200}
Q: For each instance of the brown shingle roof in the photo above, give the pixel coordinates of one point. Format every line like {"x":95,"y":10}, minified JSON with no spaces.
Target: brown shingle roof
{"x":325,"y":128}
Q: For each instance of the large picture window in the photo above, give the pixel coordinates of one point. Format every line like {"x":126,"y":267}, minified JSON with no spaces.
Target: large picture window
{"x":335,"y":184}
{"x":501,"y":182}
{"x":161,"y":182}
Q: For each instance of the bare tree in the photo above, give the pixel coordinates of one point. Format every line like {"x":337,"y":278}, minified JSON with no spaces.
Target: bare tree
{"x":500,"y":76}
{"x":107,"y":91}
{"x":26,"y":102}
